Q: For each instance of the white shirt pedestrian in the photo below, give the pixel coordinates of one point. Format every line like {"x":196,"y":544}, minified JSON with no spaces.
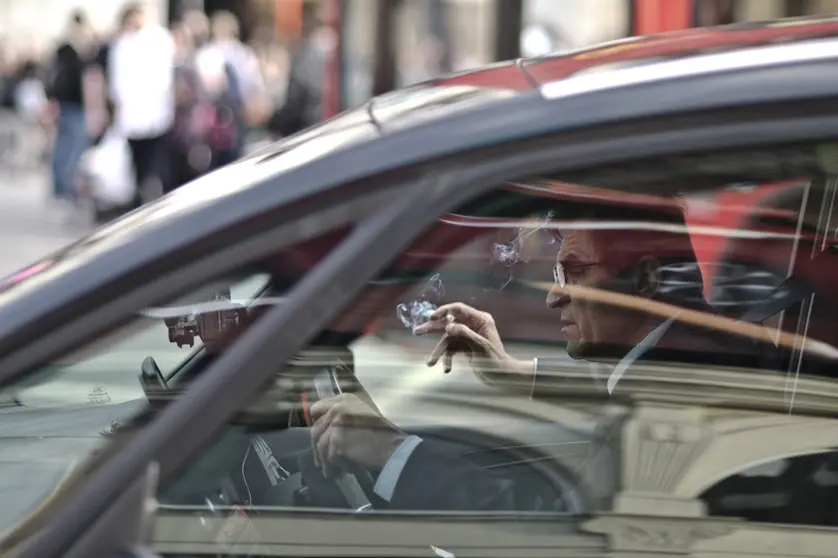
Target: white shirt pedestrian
{"x":141,"y":66}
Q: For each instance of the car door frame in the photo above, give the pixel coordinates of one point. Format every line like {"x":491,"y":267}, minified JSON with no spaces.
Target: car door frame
{"x":183,"y":427}
{"x":342,"y":211}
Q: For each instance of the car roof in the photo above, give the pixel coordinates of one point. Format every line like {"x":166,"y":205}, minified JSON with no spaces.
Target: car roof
{"x":430,"y":120}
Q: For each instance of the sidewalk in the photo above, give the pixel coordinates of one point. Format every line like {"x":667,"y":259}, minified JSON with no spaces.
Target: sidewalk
{"x":28,"y":230}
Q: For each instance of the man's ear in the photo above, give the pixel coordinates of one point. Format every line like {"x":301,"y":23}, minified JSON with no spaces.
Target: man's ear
{"x":647,"y":277}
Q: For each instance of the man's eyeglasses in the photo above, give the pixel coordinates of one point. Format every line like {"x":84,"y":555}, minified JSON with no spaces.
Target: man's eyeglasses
{"x":561,"y":272}
{"x":556,"y":235}
{"x":558,"y":275}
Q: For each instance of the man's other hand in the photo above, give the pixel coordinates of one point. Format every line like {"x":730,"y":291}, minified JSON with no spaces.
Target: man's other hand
{"x":347,"y":428}
{"x":473,"y":333}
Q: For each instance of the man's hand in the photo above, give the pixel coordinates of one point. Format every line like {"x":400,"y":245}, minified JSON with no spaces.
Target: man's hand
{"x":347,"y":428}
{"x":472,"y":332}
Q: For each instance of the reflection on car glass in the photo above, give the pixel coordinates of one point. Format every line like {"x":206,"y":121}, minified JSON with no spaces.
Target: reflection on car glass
{"x":619,"y":65}
{"x":794,"y":22}
{"x":407,"y":108}
{"x":705,"y":170}
{"x":161,"y":312}
{"x":798,"y":490}
{"x":611,"y":47}
{"x":23,"y":275}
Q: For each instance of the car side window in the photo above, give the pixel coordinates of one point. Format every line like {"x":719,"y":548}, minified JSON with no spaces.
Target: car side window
{"x":637,"y":339}
{"x":67,"y":411}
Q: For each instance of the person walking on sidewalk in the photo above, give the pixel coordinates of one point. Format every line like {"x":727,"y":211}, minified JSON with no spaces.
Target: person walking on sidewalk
{"x":66,"y":95}
{"x":141,"y":69}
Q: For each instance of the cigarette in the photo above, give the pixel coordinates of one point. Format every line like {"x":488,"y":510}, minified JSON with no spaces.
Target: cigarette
{"x":450,"y":318}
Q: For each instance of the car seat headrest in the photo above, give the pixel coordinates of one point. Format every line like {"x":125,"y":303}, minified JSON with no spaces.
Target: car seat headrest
{"x":790,"y":292}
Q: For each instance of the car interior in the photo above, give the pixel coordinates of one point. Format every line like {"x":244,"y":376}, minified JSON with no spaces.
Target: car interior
{"x":497,"y":253}
{"x":264,"y":459}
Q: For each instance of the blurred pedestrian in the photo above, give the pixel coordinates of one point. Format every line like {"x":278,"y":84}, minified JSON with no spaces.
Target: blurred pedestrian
{"x":98,"y":105}
{"x":197,"y":24}
{"x":303,"y":105}
{"x":184,"y":44}
{"x":30,"y":93}
{"x":222,"y":109}
{"x":141,"y":65}
{"x":7,"y":70}
{"x":247,"y":82}
{"x":191,"y":155}
{"x":65,"y":90}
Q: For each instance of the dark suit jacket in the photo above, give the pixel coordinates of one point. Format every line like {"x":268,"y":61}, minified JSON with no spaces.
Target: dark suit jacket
{"x":432,"y":480}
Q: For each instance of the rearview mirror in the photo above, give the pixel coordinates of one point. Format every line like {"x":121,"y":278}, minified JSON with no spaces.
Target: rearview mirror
{"x":208,"y":321}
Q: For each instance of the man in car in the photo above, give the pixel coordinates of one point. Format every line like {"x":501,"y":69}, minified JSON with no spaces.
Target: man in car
{"x":654,"y":277}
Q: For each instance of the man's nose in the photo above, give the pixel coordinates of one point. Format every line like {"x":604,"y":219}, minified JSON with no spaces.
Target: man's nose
{"x":557,"y":297}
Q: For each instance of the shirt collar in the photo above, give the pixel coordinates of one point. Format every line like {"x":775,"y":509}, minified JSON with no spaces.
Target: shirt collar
{"x":647,"y":343}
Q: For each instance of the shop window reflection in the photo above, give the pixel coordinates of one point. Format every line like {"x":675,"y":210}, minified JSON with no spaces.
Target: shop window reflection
{"x":800,"y":490}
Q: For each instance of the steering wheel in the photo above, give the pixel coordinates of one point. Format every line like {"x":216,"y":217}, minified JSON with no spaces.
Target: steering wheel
{"x":352,"y":486}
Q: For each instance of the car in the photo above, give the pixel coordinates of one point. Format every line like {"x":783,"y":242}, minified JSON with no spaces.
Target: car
{"x":158,"y":376}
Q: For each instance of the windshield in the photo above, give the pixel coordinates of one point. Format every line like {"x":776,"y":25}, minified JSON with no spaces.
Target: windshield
{"x":64,"y":412}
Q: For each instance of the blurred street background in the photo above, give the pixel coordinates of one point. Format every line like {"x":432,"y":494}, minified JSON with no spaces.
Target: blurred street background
{"x":27,"y":232}
{"x":107,"y":104}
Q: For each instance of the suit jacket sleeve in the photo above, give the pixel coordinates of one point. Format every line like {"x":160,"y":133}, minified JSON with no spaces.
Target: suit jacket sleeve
{"x":553,"y":377}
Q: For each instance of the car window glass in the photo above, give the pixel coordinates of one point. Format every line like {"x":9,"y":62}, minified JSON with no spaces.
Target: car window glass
{"x":66,"y":411}
{"x":645,"y":339}
{"x":87,"y":376}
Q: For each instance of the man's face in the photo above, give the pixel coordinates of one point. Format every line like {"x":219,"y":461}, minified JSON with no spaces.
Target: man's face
{"x":135,"y":22}
{"x":583,"y":260}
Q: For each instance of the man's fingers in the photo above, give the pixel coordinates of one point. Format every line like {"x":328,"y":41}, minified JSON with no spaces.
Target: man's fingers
{"x":468,"y":336}
{"x":443,"y":316}
{"x":448,"y":359}
{"x":322,"y":407}
{"x":321,"y":450}
{"x":322,"y":424}
{"x":328,"y":411}
{"x":438,"y":351}
{"x":460,"y":311}
{"x":334,"y":450}
{"x":458,"y":338}
{"x":431,"y":326}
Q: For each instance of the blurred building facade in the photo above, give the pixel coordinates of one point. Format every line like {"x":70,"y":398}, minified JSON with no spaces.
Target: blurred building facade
{"x":392,"y":43}
{"x":39,"y":23}
{"x":469,"y":24}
